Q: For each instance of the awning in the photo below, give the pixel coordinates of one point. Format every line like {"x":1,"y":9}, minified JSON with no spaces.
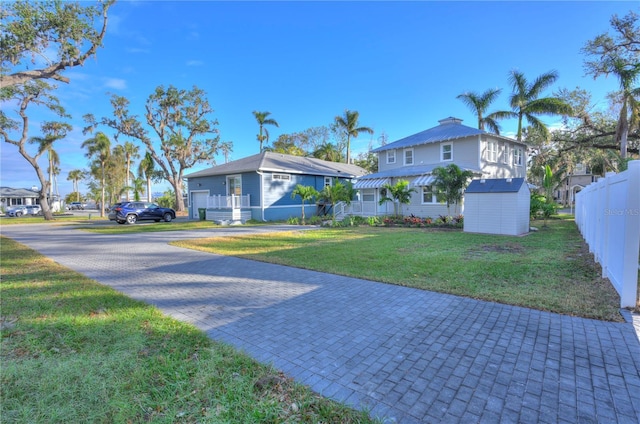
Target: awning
{"x":423,"y":180}
{"x":370,"y":183}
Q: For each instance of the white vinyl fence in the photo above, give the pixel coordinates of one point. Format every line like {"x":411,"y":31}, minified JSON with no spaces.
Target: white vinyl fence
{"x":608,"y":216}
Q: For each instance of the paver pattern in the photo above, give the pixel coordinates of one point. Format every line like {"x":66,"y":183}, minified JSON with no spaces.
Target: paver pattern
{"x":406,"y":355}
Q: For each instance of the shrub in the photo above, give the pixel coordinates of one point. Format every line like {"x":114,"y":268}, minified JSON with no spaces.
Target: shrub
{"x":293,"y":220}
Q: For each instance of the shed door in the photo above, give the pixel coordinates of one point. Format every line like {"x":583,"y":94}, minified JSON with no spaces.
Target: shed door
{"x":198,"y":200}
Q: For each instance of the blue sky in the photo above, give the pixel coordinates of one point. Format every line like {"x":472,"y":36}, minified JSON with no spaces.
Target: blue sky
{"x":400,"y":64}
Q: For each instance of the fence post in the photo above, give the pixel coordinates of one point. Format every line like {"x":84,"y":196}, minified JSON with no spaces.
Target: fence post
{"x":631,"y":244}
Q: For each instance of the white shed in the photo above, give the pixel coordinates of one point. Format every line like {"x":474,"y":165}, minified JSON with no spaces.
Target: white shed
{"x":497,"y":206}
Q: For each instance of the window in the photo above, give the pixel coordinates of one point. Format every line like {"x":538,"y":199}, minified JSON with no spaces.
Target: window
{"x":368,"y":196}
{"x":283,"y":177}
{"x":391,"y":156}
{"x":428,"y":196}
{"x":328,"y":182}
{"x":235,"y":185}
{"x":518,"y":156}
{"x":408,"y":157}
{"x":505,"y":154}
{"x":446,"y":152}
{"x":492,"y":151}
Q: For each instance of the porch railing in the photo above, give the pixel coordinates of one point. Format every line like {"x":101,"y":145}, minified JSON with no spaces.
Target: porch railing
{"x":228,"y":202}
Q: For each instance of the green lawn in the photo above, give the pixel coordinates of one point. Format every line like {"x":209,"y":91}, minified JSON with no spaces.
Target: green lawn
{"x":548,"y":270}
{"x":74,"y":351}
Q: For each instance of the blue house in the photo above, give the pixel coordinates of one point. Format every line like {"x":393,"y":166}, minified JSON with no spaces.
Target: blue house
{"x":259,"y":187}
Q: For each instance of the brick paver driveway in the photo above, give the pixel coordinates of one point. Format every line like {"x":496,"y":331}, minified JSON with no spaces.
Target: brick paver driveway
{"x":409,"y":356}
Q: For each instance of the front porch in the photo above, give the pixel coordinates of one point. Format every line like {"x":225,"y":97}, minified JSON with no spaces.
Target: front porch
{"x":228,"y":208}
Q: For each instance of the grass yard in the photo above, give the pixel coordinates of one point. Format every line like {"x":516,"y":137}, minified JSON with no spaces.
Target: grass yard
{"x":549,"y":270}
{"x":74,"y":351}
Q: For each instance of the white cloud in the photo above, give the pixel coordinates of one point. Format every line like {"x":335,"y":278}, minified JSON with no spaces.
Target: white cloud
{"x":195,"y":63}
{"x":116,"y":83}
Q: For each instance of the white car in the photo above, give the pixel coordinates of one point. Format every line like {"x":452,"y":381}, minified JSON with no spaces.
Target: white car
{"x":34,"y":210}
{"x":17,"y":211}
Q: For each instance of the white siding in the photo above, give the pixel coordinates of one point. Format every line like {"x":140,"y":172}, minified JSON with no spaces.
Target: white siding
{"x":497,"y":213}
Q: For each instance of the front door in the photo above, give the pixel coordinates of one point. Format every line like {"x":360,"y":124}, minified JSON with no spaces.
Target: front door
{"x":234,"y":183}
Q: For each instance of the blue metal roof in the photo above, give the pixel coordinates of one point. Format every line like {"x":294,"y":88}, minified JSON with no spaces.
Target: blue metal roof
{"x":410,"y":171}
{"x":495,"y":185}
{"x":449,"y":129}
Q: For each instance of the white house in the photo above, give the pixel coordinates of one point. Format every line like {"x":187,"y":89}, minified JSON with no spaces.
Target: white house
{"x":413,"y":158}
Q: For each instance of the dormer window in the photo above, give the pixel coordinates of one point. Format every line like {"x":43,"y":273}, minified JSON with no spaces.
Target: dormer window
{"x":391,"y":156}
{"x":408,"y":157}
{"x":446,"y":152}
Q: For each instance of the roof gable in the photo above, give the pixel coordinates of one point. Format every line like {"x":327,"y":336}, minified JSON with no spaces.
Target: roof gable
{"x":278,"y":162}
{"x":495,"y":185}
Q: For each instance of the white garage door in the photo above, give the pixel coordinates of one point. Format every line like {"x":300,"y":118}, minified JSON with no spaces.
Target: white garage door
{"x":199,"y":200}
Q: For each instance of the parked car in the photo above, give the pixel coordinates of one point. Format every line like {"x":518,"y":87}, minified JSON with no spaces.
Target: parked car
{"x":17,"y":211}
{"x":34,"y":209}
{"x":132,"y":212}
{"x":77,"y":206}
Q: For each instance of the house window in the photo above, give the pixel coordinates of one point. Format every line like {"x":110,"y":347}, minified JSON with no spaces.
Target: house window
{"x":234,"y":183}
{"x":428,"y":196}
{"x":408,"y":157}
{"x":505,"y":154}
{"x":328,"y":182}
{"x":518,"y":156}
{"x":391,"y":156}
{"x":283,"y":177}
{"x":368,"y":197}
{"x":492,"y":151}
{"x":446,"y":152}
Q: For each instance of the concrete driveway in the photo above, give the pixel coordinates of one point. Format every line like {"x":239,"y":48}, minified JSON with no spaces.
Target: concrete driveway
{"x":407,"y":355}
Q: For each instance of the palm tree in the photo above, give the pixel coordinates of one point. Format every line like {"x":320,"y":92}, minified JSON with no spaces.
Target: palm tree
{"x":261,"y":118}
{"x":75,"y":176}
{"x":130,"y":152}
{"x":328,"y":151}
{"x":146,"y":169}
{"x":99,"y":147}
{"x":627,"y":75}
{"x":526,"y":104}
{"x":479,"y":103}
{"x":334,"y":193}
{"x":349,"y":124}
{"x":226,"y":147}
{"x":450,"y":182}
{"x":400,"y":195}
{"x":305,"y":193}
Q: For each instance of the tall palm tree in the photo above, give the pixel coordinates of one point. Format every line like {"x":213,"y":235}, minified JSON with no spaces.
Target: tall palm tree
{"x":130,"y":153}
{"x":75,"y":176}
{"x":526,"y":104}
{"x":146,"y":169}
{"x":479,"y":103}
{"x":261,"y":118}
{"x":348,"y":123}
{"x":627,"y":75}
{"x":99,"y":149}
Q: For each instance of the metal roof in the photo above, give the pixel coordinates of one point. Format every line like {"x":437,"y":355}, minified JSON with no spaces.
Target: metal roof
{"x":495,"y":185}
{"x":370,"y":183}
{"x":416,"y":170}
{"x":18,"y":192}
{"x":278,"y":162}
{"x":449,"y":129}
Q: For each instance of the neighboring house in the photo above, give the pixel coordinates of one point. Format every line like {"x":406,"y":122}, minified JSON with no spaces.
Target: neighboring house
{"x":571,"y":184}
{"x":260,"y":186}
{"x":18,"y":197}
{"x":413,"y":159}
{"x":497,"y":206}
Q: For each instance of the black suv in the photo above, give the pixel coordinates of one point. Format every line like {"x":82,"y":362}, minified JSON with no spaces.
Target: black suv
{"x":132,"y":212}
